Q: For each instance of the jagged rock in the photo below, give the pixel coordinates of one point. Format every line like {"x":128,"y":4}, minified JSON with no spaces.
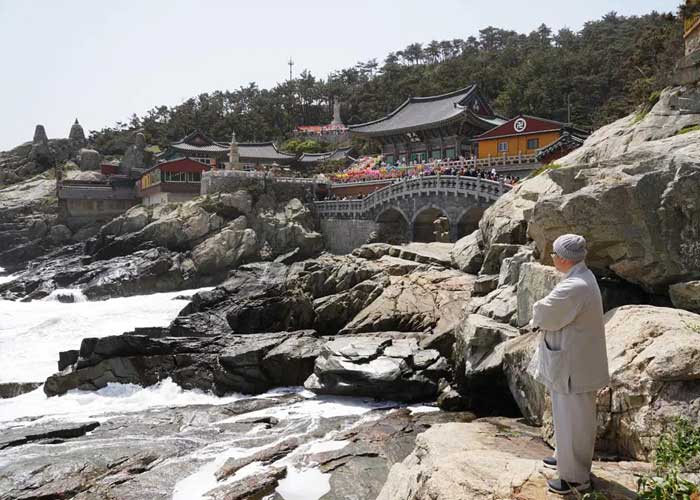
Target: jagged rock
{"x":14,"y":389}
{"x":289,"y":228}
{"x":501,"y":304}
{"x":456,"y":461}
{"x":89,"y":159}
{"x":530,"y":395}
{"x":510,"y":267}
{"x":654,"y":359}
{"x":220,"y":364}
{"x":423,"y":299}
{"x":495,"y":255}
{"x":265,"y":456}
{"x":20,"y":436}
{"x":485,"y":283}
{"x":227,"y":248}
{"x":60,"y":234}
{"x":468,"y":253}
{"x":534,"y":283}
{"x":686,"y":295}
{"x":256,"y":485}
{"x":392,"y":368}
{"x":478,"y":365}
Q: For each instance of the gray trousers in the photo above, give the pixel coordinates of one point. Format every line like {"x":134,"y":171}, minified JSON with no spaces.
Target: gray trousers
{"x":574,"y":418}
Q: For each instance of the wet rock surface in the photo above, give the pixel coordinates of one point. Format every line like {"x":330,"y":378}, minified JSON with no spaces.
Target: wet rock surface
{"x":387,"y":367}
{"x":156,"y":453}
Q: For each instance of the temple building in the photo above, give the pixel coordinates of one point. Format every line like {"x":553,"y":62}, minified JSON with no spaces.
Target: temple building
{"x":199,"y":147}
{"x":172,"y":181}
{"x":340,"y":156}
{"x":526,"y":135}
{"x":434,"y":127}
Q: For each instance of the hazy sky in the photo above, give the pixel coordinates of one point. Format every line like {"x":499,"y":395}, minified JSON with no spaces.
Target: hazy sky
{"x":101,"y":61}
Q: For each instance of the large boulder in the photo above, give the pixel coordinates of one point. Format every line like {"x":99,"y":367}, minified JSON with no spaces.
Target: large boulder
{"x":626,"y":190}
{"x":654,"y":361}
{"x":535,"y":281}
{"x":686,"y":295}
{"x":227,"y":248}
{"x":222,"y":364}
{"x":468,"y":253}
{"x":428,"y":298}
{"x":489,"y":459}
{"x":478,"y":365}
{"x":381,"y":366}
{"x":286,"y":228}
{"x":89,"y":159}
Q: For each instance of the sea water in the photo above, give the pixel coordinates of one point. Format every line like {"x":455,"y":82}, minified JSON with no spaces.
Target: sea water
{"x":33,"y":333}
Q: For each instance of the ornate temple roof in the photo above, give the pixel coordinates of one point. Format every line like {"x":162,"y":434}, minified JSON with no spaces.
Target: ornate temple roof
{"x":266,"y":151}
{"x":567,"y":142}
{"x":427,"y":112}
{"x":338,"y":154}
{"x":197,"y":141}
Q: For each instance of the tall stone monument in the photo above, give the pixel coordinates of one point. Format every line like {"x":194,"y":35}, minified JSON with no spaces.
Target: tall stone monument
{"x":336,"y":113}
{"x":134,"y":157}
{"x":41,"y":153}
{"x":234,"y":158}
{"x":77,"y":134}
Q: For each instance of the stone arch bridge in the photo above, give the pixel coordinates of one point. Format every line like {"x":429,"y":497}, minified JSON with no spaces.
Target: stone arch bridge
{"x":407,"y":210}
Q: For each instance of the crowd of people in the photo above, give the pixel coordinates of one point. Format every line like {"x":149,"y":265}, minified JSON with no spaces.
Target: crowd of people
{"x":491,"y":175}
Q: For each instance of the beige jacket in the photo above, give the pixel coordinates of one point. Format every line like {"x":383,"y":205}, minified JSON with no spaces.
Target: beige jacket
{"x":572,"y":353}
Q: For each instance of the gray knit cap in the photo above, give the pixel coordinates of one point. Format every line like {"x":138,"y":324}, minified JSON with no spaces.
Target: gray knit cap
{"x":570,"y":247}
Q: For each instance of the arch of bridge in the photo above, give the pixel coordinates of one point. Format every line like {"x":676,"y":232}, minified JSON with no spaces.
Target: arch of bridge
{"x":451,"y":195}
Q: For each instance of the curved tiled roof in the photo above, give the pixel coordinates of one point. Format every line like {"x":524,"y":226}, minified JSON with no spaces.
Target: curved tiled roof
{"x":262,"y":151}
{"x":338,"y":154}
{"x":424,"y":112}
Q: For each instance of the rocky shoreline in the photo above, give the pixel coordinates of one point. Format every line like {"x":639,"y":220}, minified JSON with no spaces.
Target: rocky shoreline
{"x":441,"y":324}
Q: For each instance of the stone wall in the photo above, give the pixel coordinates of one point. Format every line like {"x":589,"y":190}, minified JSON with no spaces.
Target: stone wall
{"x":341,"y":236}
{"x":282,"y":190}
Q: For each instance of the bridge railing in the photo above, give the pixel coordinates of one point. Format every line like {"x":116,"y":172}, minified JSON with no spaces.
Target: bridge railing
{"x":446,"y":184}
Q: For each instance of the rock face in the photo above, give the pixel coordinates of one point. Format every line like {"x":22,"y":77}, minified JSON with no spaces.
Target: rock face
{"x":248,"y":364}
{"x":654,"y":359}
{"x":456,"y":461}
{"x":686,"y":295}
{"x":135,"y":155}
{"x":468,"y":253}
{"x":626,"y":191}
{"x":89,"y":159}
{"x":478,"y":365}
{"x":381,"y":366}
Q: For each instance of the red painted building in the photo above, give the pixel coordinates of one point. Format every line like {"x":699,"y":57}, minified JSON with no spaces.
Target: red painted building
{"x":173,"y":181}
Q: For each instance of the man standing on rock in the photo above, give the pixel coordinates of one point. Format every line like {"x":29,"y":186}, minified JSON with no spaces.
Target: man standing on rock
{"x":572,"y":362}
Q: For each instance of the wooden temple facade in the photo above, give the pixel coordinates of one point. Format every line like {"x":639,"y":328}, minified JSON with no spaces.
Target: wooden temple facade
{"x":214,"y":154}
{"x":435,"y":127}
{"x":528,"y":136}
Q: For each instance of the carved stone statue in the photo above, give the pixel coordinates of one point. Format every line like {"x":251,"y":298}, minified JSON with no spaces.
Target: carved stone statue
{"x":234,"y":158}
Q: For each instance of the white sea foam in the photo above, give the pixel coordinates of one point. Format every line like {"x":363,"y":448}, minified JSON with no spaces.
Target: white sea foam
{"x":304,"y":484}
{"x":33,"y":333}
{"x":115,"y":398}
{"x":5,"y":279}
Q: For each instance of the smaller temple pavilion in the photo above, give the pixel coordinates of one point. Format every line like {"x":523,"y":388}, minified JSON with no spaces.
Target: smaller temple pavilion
{"x":171,"y":181}
{"x":435,"y":127}
{"x":311,"y":160}
{"x":199,"y":147}
{"x":526,"y":136}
